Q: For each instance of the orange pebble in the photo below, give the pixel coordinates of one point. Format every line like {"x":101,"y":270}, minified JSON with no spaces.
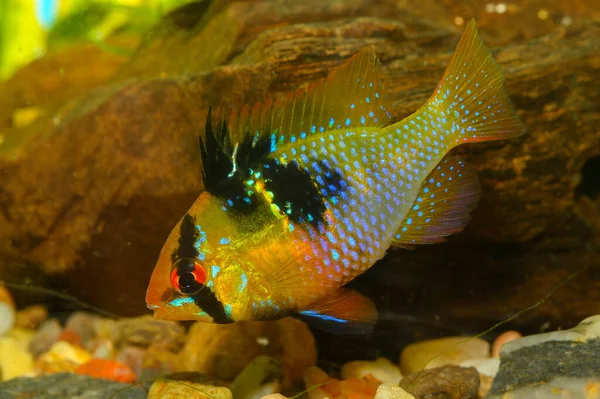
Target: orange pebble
{"x":107,"y":369}
{"x":70,"y":336}
{"x":502,"y":339}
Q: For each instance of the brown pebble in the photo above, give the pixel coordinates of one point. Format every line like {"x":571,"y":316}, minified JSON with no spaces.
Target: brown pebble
{"x":31,"y":316}
{"x":46,"y":336}
{"x":502,"y":339}
{"x":447,"y":382}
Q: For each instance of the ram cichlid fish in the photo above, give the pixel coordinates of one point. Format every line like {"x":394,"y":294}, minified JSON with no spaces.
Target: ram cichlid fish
{"x":305,"y":193}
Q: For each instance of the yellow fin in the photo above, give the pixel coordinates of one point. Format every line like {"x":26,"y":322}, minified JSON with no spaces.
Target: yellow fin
{"x":351,"y":96}
{"x":345,"y":311}
{"x":470,"y":103}
{"x":443,"y":205}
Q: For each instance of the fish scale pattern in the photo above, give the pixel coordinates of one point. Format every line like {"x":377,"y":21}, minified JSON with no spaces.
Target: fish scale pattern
{"x":364,"y":212}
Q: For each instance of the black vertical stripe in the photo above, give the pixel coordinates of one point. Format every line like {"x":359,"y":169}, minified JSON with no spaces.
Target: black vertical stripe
{"x":188,"y":234}
{"x":207,"y":301}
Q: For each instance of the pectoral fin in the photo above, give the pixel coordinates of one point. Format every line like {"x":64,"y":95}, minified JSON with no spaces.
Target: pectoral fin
{"x":343,"y":312}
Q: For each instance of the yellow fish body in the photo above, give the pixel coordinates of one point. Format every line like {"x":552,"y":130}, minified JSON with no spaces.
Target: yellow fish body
{"x":306,"y":193}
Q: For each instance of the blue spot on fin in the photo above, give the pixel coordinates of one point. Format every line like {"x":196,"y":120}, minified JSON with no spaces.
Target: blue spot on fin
{"x":445,"y":201}
{"x":343,"y":312}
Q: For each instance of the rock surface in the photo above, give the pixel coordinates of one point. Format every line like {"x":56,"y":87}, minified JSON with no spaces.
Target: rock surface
{"x":442,"y":351}
{"x":319,"y":385}
{"x":447,"y":382}
{"x":95,"y":180}
{"x":563,"y":387}
{"x":382,"y":369}
{"x":287,"y":340}
{"x":189,"y":390}
{"x":66,"y":385}
{"x":15,"y":360}
{"x":562,"y":359}
{"x":392,"y":391}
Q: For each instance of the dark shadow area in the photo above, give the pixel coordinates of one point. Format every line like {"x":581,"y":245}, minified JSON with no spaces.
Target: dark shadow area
{"x":590,"y":178}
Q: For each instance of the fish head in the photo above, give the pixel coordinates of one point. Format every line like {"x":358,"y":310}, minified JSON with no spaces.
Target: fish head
{"x":182,"y":283}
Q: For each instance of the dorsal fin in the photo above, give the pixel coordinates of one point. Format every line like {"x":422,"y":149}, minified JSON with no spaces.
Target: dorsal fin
{"x":351,"y":96}
{"x":443,"y":205}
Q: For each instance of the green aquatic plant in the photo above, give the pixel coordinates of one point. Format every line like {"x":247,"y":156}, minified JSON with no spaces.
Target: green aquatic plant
{"x":29,"y":28}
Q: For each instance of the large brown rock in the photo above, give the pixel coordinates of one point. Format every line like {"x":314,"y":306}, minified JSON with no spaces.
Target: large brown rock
{"x":90,"y":189}
{"x":222,"y":351}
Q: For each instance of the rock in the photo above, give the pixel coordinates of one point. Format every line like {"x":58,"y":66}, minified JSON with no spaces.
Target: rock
{"x":46,"y":336}
{"x":106,"y":328}
{"x":320,"y":386}
{"x":439,"y":352}
{"x":134,"y":358}
{"x":382,"y":369}
{"x":487,"y":366}
{"x":23,"y":336}
{"x":158,"y":362}
{"x":560,"y":387}
{"x":81,"y":325}
{"x":102,"y":348}
{"x":487,"y":369}
{"x":503,"y":339}
{"x":315,"y":381}
{"x":447,"y":382}
{"x":145,"y":330}
{"x":392,"y":391}
{"x":261,"y":377}
{"x":107,"y":369}
{"x":15,"y":361}
{"x":61,"y":357}
{"x":565,"y":359}
{"x":70,"y":336}
{"x":7,"y":311}
{"x":67,"y":385}
{"x":162,"y":389}
{"x":485,"y":384}
{"x":31,"y":316}
{"x":222,"y":351}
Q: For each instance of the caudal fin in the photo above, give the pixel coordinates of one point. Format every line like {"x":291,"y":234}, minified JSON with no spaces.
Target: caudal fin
{"x":470,"y":103}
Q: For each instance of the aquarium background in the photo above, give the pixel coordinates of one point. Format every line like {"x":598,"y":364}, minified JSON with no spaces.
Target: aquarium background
{"x":101,"y":104}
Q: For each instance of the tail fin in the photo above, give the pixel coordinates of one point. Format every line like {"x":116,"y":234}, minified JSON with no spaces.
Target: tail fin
{"x":470,"y":103}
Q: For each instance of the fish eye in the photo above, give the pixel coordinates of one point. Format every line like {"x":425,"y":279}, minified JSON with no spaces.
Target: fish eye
{"x":187,"y":276}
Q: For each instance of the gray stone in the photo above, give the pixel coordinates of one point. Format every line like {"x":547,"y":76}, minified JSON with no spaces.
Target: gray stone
{"x":572,"y":388}
{"x":67,"y":386}
{"x":562,"y":359}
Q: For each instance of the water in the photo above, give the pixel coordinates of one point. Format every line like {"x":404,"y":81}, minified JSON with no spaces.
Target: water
{"x":102,"y":103}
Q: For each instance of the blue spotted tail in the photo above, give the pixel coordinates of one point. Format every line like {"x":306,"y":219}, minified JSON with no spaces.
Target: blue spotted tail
{"x":470,"y":103}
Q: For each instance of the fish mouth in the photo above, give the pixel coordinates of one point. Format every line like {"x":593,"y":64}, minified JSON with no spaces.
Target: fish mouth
{"x":151,"y":306}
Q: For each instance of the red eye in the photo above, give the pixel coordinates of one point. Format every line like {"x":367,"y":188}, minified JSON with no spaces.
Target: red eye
{"x":187,"y":276}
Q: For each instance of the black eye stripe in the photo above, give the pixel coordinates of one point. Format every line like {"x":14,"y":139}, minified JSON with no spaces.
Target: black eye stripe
{"x":187,"y":238}
{"x":207,"y":301}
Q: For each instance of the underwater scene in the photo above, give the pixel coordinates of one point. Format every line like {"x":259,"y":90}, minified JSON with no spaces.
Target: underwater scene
{"x":316,"y":199}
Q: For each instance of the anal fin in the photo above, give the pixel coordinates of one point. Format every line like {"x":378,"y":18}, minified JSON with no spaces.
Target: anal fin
{"x":443,"y":205}
{"x":343,"y":312}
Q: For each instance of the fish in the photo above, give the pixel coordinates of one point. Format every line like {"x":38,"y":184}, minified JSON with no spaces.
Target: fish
{"x":304,"y":192}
